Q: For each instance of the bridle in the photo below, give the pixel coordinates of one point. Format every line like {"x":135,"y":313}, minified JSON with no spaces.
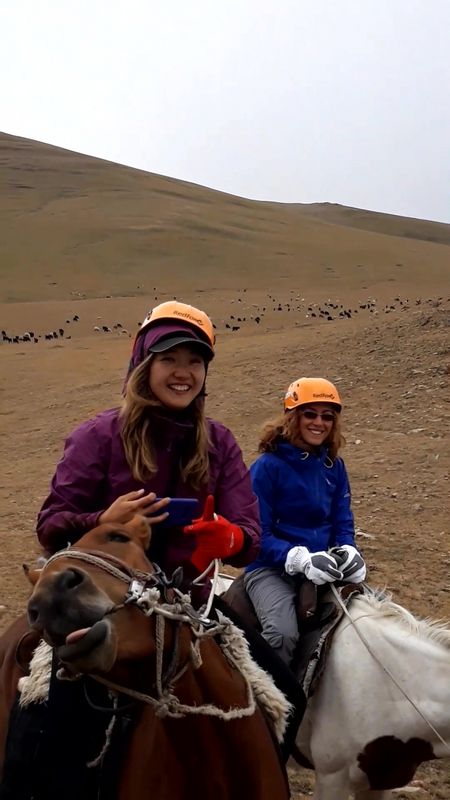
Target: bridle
{"x":144,"y":590}
{"x":108,"y":563}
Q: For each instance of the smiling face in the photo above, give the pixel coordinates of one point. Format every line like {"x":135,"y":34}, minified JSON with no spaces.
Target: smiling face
{"x":316,"y":421}
{"x":177,"y":376}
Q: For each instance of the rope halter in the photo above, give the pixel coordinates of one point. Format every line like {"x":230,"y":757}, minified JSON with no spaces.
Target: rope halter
{"x":144,"y":590}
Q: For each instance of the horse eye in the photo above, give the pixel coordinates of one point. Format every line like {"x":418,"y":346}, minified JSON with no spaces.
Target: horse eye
{"x":118,"y":537}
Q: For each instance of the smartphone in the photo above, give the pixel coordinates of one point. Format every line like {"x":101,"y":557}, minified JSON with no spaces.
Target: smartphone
{"x":182,"y":510}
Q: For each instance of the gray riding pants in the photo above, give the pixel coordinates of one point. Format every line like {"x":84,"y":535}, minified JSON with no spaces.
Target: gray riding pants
{"x":273,"y":594}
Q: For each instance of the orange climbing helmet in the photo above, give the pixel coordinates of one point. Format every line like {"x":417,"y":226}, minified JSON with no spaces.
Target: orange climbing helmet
{"x":168,"y":325}
{"x":311,"y":390}
{"x":174,"y":311}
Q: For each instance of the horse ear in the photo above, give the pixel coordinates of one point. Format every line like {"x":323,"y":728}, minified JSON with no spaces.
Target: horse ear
{"x":177,"y":578}
{"x":140,"y":529}
{"x":33,"y":575}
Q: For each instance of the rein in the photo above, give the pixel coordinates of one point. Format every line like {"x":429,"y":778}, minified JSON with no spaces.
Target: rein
{"x":144,"y":591}
{"x":386,"y":669}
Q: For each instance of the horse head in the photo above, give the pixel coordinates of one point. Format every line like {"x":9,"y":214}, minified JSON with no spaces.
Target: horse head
{"x":110,"y":614}
{"x":79,"y":601}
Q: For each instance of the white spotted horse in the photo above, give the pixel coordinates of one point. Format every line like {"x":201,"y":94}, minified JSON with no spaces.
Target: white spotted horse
{"x":379,"y":694}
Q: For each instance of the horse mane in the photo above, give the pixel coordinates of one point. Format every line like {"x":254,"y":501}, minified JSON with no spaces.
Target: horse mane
{"x":426,"y":628}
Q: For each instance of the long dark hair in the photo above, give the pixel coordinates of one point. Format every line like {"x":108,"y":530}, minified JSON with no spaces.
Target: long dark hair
{"x":137,"y":415}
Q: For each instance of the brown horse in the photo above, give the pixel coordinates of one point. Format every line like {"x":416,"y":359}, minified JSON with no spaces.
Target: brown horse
{"x":199,"y":729}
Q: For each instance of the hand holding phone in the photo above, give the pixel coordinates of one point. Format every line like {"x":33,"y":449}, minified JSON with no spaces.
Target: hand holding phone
{"x":181,"y":511}
{"x":124,"y":508}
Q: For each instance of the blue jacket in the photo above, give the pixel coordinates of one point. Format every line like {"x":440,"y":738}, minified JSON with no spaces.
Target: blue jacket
{"x":303,"y":500}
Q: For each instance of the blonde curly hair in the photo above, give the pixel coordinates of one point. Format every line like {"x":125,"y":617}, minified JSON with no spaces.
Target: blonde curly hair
{"x":285,"y":428}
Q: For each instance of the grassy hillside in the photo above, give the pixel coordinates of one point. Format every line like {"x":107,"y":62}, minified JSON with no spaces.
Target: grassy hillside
{"x":72,"y":225}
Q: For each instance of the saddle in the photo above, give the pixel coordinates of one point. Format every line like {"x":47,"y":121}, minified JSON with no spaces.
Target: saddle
{"x":318,"y":613}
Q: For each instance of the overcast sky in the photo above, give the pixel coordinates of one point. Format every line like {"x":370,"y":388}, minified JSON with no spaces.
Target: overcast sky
{"x":346,"y":101}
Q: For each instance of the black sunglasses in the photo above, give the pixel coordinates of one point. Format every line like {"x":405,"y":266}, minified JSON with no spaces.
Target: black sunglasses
{"x":325,"y":416}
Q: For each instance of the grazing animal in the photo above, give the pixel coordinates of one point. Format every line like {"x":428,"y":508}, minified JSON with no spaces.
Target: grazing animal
{"x":381,"y":706}
{"x":198,"y":730}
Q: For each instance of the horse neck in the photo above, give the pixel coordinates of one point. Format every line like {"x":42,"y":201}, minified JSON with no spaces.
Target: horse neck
{"x":137,"y":655}
{"x":426,"y":660}
{"x":202,"y":672}
{"x":213,"y":681}
{"x":417,"y":659}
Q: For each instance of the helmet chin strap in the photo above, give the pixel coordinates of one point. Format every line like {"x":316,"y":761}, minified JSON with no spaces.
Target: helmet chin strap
{"x":202,"y":393}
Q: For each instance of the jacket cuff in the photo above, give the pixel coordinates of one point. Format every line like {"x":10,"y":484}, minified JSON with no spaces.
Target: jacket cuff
{"x":241,"y":559}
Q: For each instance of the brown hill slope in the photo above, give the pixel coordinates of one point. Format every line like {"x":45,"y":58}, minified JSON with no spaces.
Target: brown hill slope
{"x":72,"y":225}
{"x":391,"y":224}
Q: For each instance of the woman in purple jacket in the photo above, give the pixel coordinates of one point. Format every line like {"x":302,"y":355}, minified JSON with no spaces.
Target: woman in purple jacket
{"x":159,"y":444}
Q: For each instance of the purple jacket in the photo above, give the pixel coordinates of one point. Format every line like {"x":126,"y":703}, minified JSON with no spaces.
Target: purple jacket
{"x":94,"y":471}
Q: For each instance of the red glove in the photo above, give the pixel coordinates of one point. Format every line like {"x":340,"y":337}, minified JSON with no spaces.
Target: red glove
{"x":216,"y":537}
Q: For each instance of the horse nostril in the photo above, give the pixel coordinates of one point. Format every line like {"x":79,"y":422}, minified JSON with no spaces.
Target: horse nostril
{"x":33,"y":615}
{"x":70,"y":579}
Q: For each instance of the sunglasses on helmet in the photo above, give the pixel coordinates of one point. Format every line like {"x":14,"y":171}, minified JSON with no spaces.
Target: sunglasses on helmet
{"x":325,"y":416}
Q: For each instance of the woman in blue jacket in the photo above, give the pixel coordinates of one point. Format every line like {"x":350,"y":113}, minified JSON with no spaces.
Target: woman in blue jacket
{"x":305,"y":506}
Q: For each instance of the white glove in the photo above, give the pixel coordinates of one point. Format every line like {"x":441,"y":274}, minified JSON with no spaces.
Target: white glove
{"x":350,"y":562}
{"x":317,"y":567}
